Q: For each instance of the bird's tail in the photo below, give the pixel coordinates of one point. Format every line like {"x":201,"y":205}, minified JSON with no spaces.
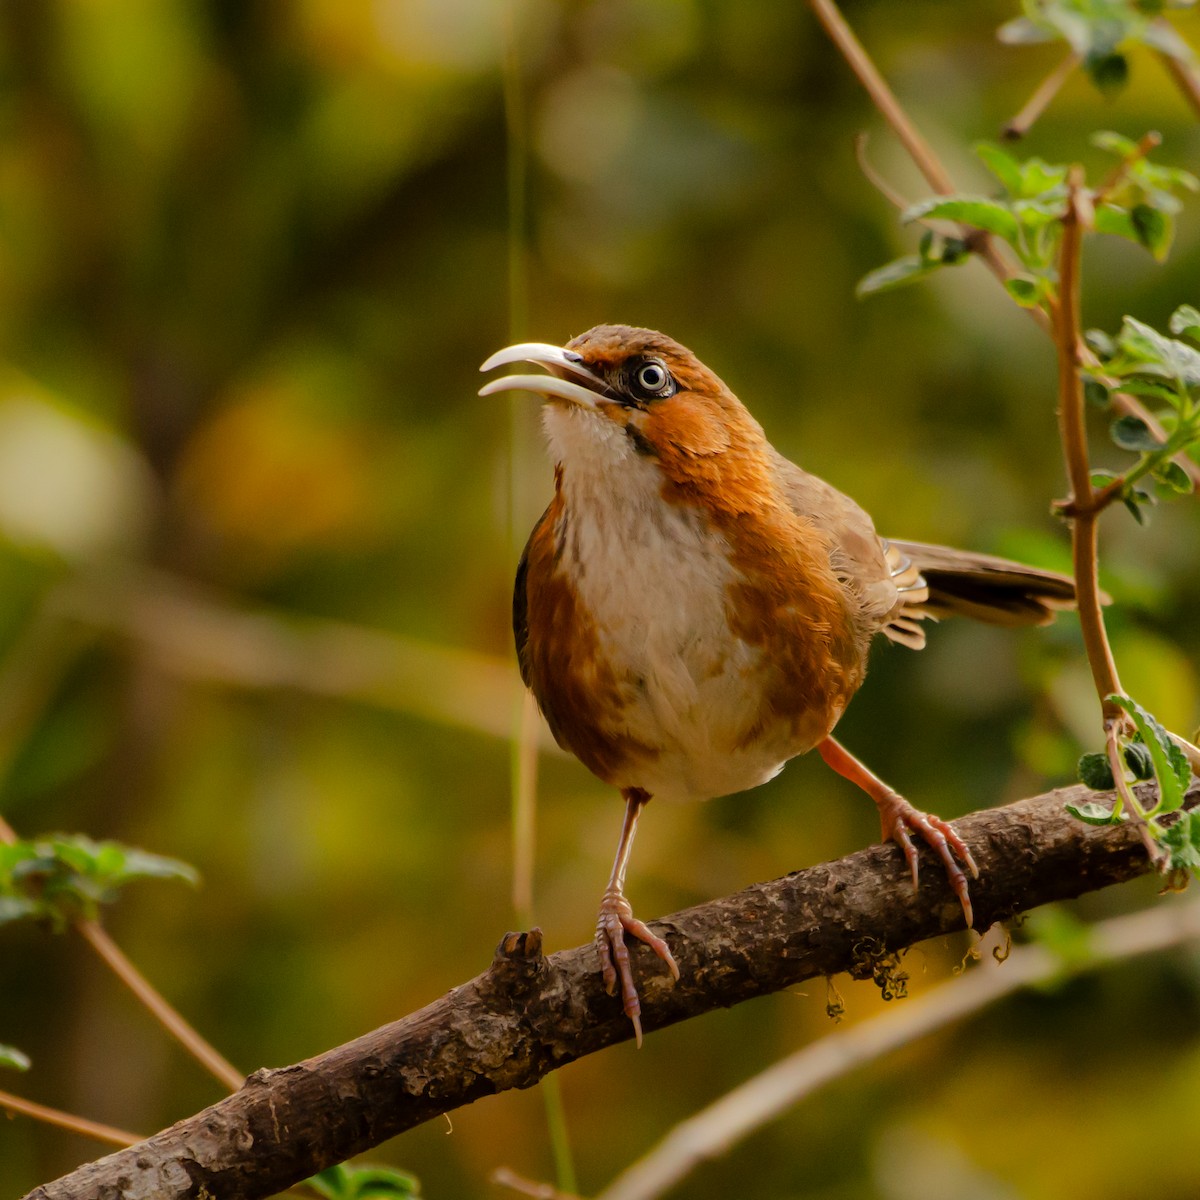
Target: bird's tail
{"x":961,"y":583}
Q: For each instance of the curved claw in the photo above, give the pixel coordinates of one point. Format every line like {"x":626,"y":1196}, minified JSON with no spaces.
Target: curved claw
{"x":614,"y":921}
{"x":898,"y":818}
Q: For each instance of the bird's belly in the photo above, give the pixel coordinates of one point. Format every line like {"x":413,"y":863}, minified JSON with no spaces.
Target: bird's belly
{"x":694,"y":692}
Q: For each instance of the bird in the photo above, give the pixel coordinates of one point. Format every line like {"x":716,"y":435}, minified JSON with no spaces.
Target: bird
{"x":693,"y":610}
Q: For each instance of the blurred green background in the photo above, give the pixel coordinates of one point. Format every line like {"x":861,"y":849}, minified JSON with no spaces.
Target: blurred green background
{"x":257,"y":535}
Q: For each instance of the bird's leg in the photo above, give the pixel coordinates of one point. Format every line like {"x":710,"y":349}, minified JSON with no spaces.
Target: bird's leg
{"x":898,"y":818}
{"x":616,"y":919}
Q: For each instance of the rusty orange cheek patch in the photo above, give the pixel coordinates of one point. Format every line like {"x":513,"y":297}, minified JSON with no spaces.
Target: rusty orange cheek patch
{"x":685,"y":426}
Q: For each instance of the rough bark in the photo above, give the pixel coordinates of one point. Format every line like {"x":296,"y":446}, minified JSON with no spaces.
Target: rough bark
{"x":528,"y":1014}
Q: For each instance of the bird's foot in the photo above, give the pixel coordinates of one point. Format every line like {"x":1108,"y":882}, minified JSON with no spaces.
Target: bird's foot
{"x":615,"y":920}
{"x":900,"y":819}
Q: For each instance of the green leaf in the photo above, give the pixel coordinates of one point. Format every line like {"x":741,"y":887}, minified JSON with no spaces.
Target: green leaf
{"x":342,"y":1182}
{"x":1181,"y":840}
{"x":1155,"y":389}
{"x":1132,"y":433}
{"x":1109,"y":72}
{"x":898,"y":273}
{"x":1161,"y":36}
{"x":1114,"y":143}
{"x":18,"y":908}
{"x":1021,"y":31}
{"x":1170,"y":764}
{"x":940,"y":251}
{"x":1145,"y":350}
{"x":138,"y":864}
{"x":1137,"y":501}
{"x":1138,"y":759}
{"x":1173,"y":479}
{"x":1144,"y":224}
{"x":1026,"y":290}
{"x":976,"y":211}
{"x":1185,"y":322}
{"x":1096,"y":393}
{"x":13,"y":1058}
{"x":1094,"y":772}
{"x":62,"y":878}
{"x":1001,"y":164}
{"x":1038,"y":178}
{"x":1155,"y":229}
{"x":1095,"y":813}
{"x":1088,"y":37}
{"x":1110,"y":218}
{"x":1100,"y":343}
{"x":1037,"y":212}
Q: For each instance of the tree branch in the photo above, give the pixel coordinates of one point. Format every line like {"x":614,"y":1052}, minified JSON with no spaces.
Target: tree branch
{"x":528,"y":1014}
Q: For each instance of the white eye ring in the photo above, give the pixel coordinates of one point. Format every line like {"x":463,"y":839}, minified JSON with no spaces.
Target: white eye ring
{"x":652,"y":377}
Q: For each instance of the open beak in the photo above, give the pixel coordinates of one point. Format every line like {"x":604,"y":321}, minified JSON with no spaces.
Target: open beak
{"x":569,"y":379}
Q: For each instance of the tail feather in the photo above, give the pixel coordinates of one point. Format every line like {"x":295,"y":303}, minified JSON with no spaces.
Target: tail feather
{"x":981,"y":586}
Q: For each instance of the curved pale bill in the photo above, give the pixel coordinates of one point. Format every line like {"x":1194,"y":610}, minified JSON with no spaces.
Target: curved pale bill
{"x":554,"y":358}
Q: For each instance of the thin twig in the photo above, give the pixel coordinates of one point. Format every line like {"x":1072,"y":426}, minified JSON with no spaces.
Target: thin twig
{"x":504,"y":1177}
{"x":885,"y":99}
{"x":1021,"y":124}
{"x":714,"y":1130}
{"x":68,"y":1121}
{"x":1073,"y":430}
{"x":1115,"y":751}
{"x":114,"y":957}
{"x":873,"y":177}
{"x":1149,"y":141}
{"x":928,"y":163}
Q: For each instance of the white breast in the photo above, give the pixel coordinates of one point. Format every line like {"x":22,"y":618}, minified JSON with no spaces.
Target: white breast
{"x":655,"y":575}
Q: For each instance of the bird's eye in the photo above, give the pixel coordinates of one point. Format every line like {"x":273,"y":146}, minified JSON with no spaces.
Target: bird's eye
{"x":653,"y":379}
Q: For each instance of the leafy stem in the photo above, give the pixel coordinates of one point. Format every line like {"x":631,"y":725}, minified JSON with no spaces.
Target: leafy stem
{"x":112,"y":955}
{"x":1041,"y":220}
{"x":1114,"y":748}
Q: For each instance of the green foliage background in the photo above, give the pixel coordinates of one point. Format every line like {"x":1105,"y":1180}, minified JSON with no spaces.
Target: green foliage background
{"x":251,"y":255}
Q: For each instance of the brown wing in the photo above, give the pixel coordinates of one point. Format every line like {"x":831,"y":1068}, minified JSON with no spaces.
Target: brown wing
{"x":883,"y":580}
{"x":987,"y":588}
{"x":900,"y":583}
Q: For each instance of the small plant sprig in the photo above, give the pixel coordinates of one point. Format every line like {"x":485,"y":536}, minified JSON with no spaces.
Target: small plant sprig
{"x":1164,"y":371}
{"x":345,"y":1182}
{"x":1138,"y":201}
{"x":1039,"y":219}
{"x":64,"y":879}
{"x":1149,"y":753}
{"x":14,"y":1059}
{"x":1099,"y":35}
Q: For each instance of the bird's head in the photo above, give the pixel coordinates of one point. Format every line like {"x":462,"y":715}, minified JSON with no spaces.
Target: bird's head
{"x":618,"y":395}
